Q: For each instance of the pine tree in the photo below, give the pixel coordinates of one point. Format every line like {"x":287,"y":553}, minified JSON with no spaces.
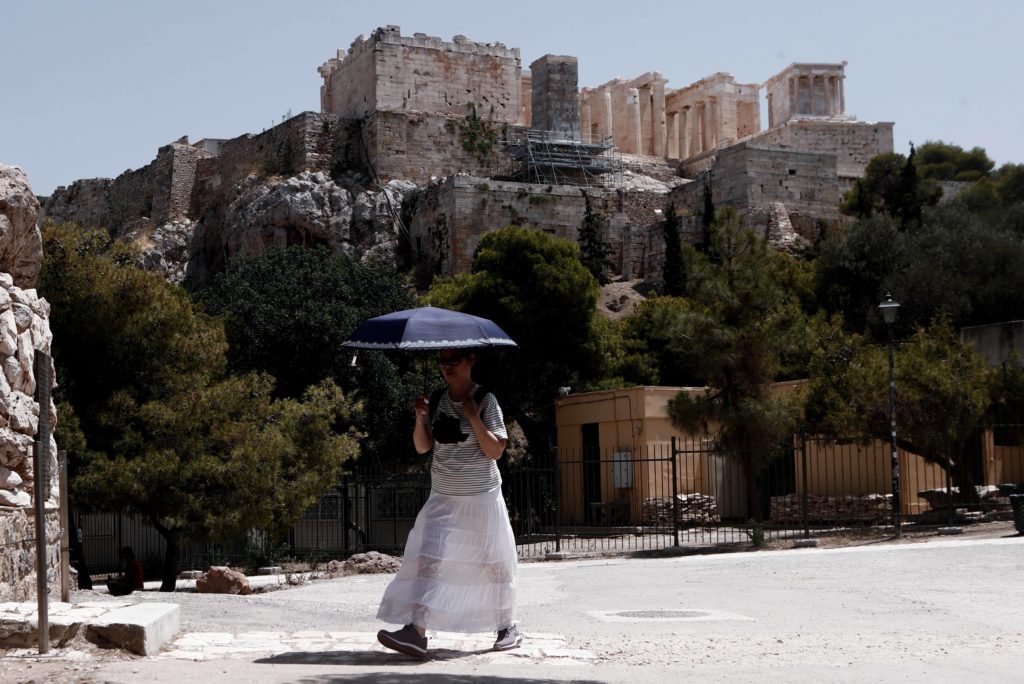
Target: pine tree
{"x":675,"y":270}
{"x":593,"y":250}
{"x":707,"y":219}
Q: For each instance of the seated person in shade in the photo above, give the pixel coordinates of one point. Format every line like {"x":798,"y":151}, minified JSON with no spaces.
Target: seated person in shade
{"x":129,"y":580}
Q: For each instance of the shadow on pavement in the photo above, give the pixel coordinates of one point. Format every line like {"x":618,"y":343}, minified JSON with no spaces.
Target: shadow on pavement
{"x":364,"y":657}
{"x":403,"y":678}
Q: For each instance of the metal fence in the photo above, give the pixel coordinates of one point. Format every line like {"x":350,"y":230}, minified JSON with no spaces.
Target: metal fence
{"x":672,"y":494}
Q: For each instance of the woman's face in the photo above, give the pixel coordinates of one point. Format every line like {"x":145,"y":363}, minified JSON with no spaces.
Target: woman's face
{"x":455,"y":364}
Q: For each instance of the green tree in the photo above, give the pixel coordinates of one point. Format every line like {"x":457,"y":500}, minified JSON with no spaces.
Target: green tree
{"x":891,"y":186}
{"x":533,"y":286}
{"x":961,"y":265}
{"x":853,"y":268}
{"x":155,"y":424}
{"x":748,"y":330}
{"x":943,"y":392}
{"x":288,"y":312}
{"x":658,"y":347}
{"x":675,"y":268}
{"x":942,"y":161}
{"x":594,"y":250}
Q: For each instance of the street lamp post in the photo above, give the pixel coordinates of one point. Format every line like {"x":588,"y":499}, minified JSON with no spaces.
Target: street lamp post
{"x":889,"y":308}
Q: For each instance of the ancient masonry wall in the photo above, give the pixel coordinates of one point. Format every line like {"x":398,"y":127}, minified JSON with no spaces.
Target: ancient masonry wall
{"x":418,"y":147}
{"x":750,"y":177}
{"x":85,"y":202}
{"x":652,"y":249}
{"x":391,"y":72}
{"x":853,"y":143}
{"x":452,"y":215}
{"x":161,"y":190}
{"x":555,"y":86}
{"x":24,"y":327}
{"x":309,"y":140}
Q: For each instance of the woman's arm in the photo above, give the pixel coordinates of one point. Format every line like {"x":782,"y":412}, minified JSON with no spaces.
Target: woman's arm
{"x":491,"y":445}
{"x":421,"y":437}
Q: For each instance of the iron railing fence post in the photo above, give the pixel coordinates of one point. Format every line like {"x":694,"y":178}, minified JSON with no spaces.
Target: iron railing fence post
{"x":675,"y":495}
{"x":556,"y":499}
{"x":806,"y":501}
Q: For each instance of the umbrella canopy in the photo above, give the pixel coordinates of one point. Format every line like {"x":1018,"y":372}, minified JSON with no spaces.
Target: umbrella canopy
{"x":428,"y":327}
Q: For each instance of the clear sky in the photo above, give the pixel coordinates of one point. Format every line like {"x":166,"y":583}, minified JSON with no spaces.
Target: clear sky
{"x":93,"y":88}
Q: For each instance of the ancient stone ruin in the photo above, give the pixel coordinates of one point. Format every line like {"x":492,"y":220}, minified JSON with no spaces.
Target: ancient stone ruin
{"x":24,"y":328}
{"x":423,"y":145}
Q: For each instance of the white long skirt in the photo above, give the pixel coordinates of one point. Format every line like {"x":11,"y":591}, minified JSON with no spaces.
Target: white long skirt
{"x":459,"y":569}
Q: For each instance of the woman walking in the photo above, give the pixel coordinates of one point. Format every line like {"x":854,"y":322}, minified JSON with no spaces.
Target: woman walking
{"x":459,"y":569}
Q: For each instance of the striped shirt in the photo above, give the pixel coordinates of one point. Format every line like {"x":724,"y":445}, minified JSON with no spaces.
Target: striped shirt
{"x":459,"y":466}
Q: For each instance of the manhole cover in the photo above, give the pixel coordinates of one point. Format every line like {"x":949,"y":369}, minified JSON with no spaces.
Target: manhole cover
{"x":662,"y":614}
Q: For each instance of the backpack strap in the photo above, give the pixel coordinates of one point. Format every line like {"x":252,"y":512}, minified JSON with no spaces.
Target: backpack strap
{"x":435,"y":399}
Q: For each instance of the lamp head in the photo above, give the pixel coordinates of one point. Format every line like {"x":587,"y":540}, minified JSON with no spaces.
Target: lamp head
{"x":889,"y":308}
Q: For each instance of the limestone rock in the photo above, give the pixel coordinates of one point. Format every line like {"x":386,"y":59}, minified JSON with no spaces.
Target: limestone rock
{"x":369,"y":563}
{"x":9,"y":479}
{"x":24,"y":413}
{"x":223,"y":580}
{"x":21,"y":245}
{"x":376,"y":221}
{"x":14,"y":499}
{"x":165,"y":248}
{"x":307,"y":209}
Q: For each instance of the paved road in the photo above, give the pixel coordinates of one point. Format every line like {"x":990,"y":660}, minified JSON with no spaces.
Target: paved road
{"x":942,"y":611}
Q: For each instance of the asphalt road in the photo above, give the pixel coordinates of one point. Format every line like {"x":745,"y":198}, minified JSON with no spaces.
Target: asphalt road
{"x":949,"y":610}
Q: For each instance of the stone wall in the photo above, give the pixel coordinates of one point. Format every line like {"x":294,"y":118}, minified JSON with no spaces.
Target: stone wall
{"x":420,"y":73}
{"x":160,"y":191}
{"x":307,"y":142}
{"x":419,"y":147}
{"x":750,"y":178}
{"x":555,"y":96}
{"x":85,"y":202}
{"x":451,"y":215}
{"x":853,"y":143}
{"x":24,"y":328}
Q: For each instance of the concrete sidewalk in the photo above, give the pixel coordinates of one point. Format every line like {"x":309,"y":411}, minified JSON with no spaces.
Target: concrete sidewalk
{"x":941,"y":611}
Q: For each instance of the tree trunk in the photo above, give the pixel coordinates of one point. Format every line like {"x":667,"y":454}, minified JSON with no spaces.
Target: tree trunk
{"x":169,"y":571}
{"x":753,"y":491}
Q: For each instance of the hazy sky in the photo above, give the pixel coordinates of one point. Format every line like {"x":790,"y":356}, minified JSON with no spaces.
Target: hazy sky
{"x":92,"y":88}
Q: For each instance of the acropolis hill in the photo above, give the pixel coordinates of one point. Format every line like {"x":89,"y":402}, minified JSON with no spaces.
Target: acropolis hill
{"x":422,"y":145}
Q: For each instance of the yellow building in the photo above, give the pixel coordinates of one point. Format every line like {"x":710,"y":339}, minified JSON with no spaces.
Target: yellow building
{"x":617,"y":466}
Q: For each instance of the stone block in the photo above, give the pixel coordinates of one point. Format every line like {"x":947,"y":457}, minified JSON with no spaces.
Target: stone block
{"x":142,"y":628}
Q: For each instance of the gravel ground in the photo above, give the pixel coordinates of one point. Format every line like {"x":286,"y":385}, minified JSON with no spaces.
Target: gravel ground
{"x":925,"y":608}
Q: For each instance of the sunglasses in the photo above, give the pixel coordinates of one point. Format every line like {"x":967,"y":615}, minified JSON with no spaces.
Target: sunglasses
{"x":450,"y":359}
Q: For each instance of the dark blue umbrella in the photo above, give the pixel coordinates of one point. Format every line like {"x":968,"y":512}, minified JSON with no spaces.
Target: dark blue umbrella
{"x":425,"y":328}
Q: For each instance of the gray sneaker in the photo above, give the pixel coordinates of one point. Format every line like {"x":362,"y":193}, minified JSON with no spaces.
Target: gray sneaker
{"x":406,"y":640}
{"x":508,"y":638}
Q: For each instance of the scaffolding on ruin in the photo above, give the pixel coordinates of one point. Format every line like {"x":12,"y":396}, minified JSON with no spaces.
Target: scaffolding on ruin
{"x":553,"y":158}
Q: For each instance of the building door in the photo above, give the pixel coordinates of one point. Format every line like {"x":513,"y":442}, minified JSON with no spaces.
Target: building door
{"x":591,"y":470}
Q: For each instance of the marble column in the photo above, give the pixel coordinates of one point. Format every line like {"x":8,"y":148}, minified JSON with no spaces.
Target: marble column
{"x":633,"y":101}
{"x":684,"y":127}
{"x":673,"y":135}
{"x":607,"y":118}
{"x":659,"y":133}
